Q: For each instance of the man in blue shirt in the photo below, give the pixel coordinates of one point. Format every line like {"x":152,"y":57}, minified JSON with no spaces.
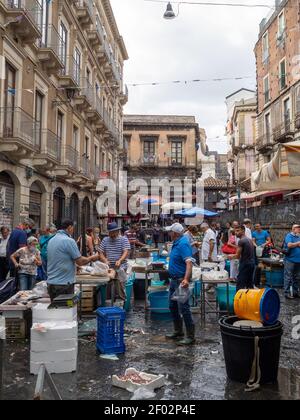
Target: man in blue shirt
{"x":292,"y":263}
{"x":63,"y":256}
{"x":17,"y":240}
{"x":260,"y":237}
{"x":180,"y":272}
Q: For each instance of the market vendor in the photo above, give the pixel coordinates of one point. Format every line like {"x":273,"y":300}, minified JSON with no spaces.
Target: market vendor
{"x":114,"y":251}
{"x":246,"y":256}
{"x":63,"y":256}
{"x":180,"y":272}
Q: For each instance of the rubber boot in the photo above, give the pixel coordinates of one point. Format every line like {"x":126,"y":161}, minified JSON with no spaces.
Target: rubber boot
{"x":190,"y":337}
{"x":178,"y":331}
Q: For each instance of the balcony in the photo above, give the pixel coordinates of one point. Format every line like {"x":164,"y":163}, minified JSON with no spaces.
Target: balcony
{"x":25,"y":17}
{"x":285,"y":131}
{"x":85,"y":12}
{"x":149,"y":161}
{"x":18,"y":133}
{"x":177,"y":163}
{"x":124,"y":95}
{"x":97,"y":172}
{"x":86,"y":167}
{"x":48,"y":156}
{"x":86,"y":98}
{"x":50,"y":50}
{"x":104,"y":54}
{"x":96,"y":35}
{"x":72,"y":158}
{"x":70,"y":75}
{"x":265,"y":142}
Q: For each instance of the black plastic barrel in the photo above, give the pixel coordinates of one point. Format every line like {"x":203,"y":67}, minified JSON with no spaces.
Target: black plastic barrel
{"x":239,"y":350}
{"x":139,"y":289}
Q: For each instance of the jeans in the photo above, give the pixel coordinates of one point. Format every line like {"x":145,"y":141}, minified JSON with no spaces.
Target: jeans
{"x":178,"y":309}
{"x":245,"y":279}
{"x":291,"y":277}
{"x":26,"y":281}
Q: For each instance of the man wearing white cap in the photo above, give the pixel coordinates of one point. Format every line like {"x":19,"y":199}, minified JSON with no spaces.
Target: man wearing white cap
{"x":180,"y":272}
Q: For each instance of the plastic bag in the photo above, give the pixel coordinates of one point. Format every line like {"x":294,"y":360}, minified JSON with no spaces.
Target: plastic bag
{"x":143,"y":394}
{"x":41,"y":289}
{"x":182,"y":295}
{"x":100,"y":269}
{"x":122,"y":276}
{"x":259,"y":251}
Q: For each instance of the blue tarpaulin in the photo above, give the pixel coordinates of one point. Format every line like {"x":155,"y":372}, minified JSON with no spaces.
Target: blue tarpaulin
{"x":196,"y":211}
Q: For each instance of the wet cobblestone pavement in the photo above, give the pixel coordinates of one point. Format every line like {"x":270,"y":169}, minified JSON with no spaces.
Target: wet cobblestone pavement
{"x":196,"y":373}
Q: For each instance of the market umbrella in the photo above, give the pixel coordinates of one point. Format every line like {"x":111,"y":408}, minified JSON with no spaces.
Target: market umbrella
{"x":150,"y":201}
{"x":176,"y":206}
{"x":196,"y":211}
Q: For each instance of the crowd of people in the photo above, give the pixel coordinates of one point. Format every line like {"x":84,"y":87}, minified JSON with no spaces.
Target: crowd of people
{"x":24,"y":253}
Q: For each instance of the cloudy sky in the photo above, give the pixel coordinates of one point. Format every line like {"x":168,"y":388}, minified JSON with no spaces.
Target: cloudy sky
{"x":204,"y":42}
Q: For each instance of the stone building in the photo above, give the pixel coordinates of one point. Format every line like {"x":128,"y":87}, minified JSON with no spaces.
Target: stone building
{"x":161,"y":146}
{"x":278,"y":79}
{"x":242,"y":132}
{"x":61,"y":116}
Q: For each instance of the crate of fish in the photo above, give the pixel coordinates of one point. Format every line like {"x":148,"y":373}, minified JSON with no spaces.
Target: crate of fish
{"x":110,"y":334}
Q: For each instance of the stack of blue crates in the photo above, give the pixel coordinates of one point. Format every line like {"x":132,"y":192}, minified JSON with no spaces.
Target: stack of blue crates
{"x":110,"y":336}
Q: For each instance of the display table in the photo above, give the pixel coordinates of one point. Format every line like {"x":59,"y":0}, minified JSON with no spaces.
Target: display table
{"x":272,"y":263}
{"x":93,"y":281}
{"x":206,"y":302}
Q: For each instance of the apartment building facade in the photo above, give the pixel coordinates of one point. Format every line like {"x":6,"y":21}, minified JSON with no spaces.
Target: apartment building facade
{"x":61,"y":100}
{"x":278,"y":80}
{"x":161,"y":147}
{"x":241,"y":130}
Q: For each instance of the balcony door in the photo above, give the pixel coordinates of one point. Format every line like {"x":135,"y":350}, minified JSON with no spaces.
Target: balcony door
{"x":149,"y":151}
{"x":63,"y":33}
{"x":177,"y":153}
{"x":9,"y":100}
{"x":45,"y":21}
{"x":287,"y":112}
{"x":39,"y":101}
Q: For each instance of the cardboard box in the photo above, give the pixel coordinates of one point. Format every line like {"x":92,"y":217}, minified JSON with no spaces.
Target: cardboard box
{"x":44,"y":345}
{"x":59,"y":367}
{"x":55,"y":331}
{"x":41,"y":313}
{"x":54,"y":356}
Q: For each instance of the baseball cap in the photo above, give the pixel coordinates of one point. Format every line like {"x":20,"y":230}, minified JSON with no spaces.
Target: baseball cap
{"x":176,"y":228}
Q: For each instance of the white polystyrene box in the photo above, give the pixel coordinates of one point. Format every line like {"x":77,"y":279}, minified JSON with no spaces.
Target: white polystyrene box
{"x":59,"y":367}
{"x":53,"y":356}
{"x":54,"y":331}
{"x":44,"y":345}
{"x":41,"y":313}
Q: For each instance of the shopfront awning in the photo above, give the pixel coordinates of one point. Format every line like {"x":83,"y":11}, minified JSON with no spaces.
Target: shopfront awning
{"x":282,"y":173}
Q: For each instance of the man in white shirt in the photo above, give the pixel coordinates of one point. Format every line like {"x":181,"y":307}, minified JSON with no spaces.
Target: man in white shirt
{"x":209,"y":244}
{"x":248,"y":226}
{"x":4,"y":264}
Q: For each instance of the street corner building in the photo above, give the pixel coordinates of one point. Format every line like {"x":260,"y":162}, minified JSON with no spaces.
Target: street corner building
{"x":61,"y":109}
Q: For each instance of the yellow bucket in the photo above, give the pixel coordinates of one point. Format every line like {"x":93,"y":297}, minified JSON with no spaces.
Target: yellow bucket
{"x":247,"y":304}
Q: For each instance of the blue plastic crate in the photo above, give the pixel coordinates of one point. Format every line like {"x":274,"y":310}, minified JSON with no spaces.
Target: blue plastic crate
{"x":110,"y":335}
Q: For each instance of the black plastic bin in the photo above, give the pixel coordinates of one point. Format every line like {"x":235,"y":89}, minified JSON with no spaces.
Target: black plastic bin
{"x":139,"y":289}
{"x":239,"y":352}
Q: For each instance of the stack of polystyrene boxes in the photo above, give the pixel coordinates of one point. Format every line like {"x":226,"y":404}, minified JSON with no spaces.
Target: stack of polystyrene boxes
{"x":54,"y":339}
